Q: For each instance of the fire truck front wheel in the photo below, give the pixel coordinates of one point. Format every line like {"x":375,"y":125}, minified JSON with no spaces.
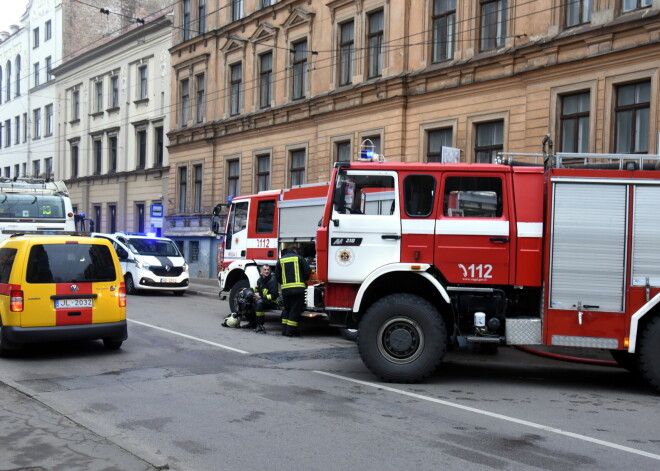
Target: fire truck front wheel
{"x":649,"y":353}
{"x":233,"y":292}
{"x":402,"y":338}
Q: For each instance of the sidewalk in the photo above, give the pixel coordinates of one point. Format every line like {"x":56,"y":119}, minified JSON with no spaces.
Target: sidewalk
{"x":204,"y":287}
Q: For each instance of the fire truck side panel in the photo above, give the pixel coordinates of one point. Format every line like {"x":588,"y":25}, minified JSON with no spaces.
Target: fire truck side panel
{"x":473,"y":232}
{"x":528,"y":182}
{"x":262,"y":228}
{"x":587,"y":258}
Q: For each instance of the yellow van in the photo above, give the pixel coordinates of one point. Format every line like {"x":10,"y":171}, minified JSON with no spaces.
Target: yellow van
{"x":60,"y":287}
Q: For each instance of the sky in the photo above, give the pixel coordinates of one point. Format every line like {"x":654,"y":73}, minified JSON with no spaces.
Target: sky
{"x":10,"y":12}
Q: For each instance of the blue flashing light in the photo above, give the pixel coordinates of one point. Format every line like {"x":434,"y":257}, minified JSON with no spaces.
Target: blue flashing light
{"x":366,"y":154}
{"x":151,"y":234}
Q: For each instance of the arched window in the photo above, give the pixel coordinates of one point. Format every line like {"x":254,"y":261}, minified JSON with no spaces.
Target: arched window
{"x":8,"y":85}
{"x":17,"y":64}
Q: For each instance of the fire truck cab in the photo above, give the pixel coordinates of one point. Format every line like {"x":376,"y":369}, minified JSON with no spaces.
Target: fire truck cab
{"x":418,"y":255}
{"x":258,"y":226}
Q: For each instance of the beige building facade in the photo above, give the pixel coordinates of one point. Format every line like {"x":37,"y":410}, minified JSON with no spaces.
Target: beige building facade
{"x":111,"y":128}
{"x":269,"y":94}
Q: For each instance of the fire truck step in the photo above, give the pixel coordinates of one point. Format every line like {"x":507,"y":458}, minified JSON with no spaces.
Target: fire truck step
{"x":476,"y":339}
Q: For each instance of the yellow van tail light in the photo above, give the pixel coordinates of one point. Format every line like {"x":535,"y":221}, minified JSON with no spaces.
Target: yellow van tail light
{"x":122,"y":295}
{"x":16,"y":300}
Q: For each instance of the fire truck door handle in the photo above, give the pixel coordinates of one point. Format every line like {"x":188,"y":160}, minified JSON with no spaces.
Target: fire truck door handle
{"x":242,"y":253}
{"x":589,"y":306}
{"x":390,"y":237}
{"x":499,"y":239}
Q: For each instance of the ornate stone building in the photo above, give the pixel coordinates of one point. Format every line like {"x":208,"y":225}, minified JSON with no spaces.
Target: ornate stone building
{"x":269,"y":94}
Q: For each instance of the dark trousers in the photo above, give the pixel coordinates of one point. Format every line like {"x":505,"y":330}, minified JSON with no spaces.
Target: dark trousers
{"x":293,"y":308}
{"x":261,"y":306}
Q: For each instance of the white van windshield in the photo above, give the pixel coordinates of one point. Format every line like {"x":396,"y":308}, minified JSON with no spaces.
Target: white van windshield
{"x":155,"y":247}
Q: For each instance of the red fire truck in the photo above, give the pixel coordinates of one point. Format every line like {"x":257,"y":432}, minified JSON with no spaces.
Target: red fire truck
{"x":256,"y":227}
{"x":566,"y":253}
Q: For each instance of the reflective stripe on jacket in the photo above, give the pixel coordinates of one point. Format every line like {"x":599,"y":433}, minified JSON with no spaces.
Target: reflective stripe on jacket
{"x":292,"y":272}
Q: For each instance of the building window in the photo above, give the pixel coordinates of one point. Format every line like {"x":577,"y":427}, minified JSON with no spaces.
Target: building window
{"x":493,"y":24}
{"x":97,"y":217}
{"x":25,"y":127}
{"x":630,"y":5}
{"x":16,"y":171}
{"x":49,"y":31}
{"x":74,"y":160}
{"x":197,"y":173}
{"x":35,"y":38}
{"x":375,"y":142}
{"x":236,"y":10}
{"x":98,"y":156}
{"x":17,"y":130}
{"x":36,"y":74}
{"x":186,"y":20}
{"x":299,"y":69}
{"x":490,"y":141}
{"x":7,"y":132}
{"x":183,"y":186}
{"x":8,"y":83}
{"x":114,"y":84}
{"x":236,"y":78}
{"x":49,"y":67}
{"x":159,"y":147}
{"x":142,"y":73}
{"x":202,"y":16}
{"x":142,"y":148}
{"x":36,"y":114}
{"x":343,"y":151}
{"x":139,"y":214}
{"x":194,"y":251}
{"x":298,"y":167}
{"x":36,"y":168}
{"x":375,"y":43}
{"x":437,"y":139}
{"x":1,"y":127}
{"x":49,"y":120}
{"x":7,"y":172}
{"x":265,"y":79}
{"x":112,"y":217}
{"x":346,"y":44}
{"x":200,"y":97}
{"x":574,"y":122}
{"x":98,"y":90}
{"x":112,"y":154}
{"x":233,"y":170}
{"x":444,"y":29}
{"x":578,"y":12}
{"x":632,"y":112}
{"x":267,"y":3}
{"x":185,"y":101}
{"x":48,"y":163}
{"x":18,"y":74}
{"x":263,"y":172}
{"x":75,"y":105}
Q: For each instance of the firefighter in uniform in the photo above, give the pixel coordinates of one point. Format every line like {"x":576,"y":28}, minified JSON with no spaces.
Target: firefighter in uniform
{"x":292,"y":272}
{"x":265,"y":298}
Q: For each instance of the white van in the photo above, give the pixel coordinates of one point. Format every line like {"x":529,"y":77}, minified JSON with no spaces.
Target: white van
{"x":150,"y":263}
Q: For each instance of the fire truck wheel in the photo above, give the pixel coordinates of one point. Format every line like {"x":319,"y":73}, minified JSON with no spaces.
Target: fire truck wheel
{"x":649,"y":353}
{"x":130,"y":284}
{"x":402,"y":338}
{"x":238,"y":286}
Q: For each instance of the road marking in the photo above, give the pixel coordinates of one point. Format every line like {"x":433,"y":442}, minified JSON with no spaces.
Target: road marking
{"x":219,"y":345}
{"x":497,"y":416}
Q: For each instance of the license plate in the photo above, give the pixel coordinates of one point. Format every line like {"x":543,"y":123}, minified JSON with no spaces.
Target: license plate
{"x":74,"y":303}
{"x":168,"y":280}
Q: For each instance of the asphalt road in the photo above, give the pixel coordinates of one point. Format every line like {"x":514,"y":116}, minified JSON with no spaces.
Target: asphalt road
{"x":187,"y":394}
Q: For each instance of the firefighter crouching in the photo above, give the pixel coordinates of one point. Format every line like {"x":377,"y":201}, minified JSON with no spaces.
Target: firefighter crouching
{"x":292,"y":272}
{"x":265,"y":298}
